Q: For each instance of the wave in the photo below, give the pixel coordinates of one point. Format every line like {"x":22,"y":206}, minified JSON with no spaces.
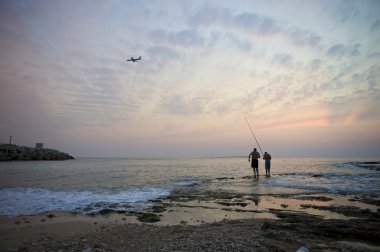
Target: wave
{"x":370,"y":165}
{"x":187,"y":182}
{"x":17,"y":201}
{"x":31,"y":201}
{"x":337,"y":183}
{"x":317,"y":175}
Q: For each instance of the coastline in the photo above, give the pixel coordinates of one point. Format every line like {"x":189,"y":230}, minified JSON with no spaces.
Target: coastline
{"x":12,"y":152}
{"x":213,"y":221}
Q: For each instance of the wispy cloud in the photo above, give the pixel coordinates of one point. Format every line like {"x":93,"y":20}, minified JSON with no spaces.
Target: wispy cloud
{"x":283,"y":59}
{"x":340,"y":50}
{"x":303,"y":37}
{"x":184,"y":38}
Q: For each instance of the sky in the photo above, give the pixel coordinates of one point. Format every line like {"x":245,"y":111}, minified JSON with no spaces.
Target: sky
{"x":304,"y":74}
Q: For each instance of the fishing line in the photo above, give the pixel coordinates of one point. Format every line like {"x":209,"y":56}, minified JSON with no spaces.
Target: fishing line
{"x":253,"y":134}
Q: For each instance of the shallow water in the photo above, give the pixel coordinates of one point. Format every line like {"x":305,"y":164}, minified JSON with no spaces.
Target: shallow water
{"x":90,"y":185}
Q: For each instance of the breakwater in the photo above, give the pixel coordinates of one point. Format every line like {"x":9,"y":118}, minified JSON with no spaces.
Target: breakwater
{"x":9,"y":152}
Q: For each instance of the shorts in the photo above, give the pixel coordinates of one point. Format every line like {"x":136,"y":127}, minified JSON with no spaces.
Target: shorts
{"x":255,"y":163}
{"x":267,"y":164}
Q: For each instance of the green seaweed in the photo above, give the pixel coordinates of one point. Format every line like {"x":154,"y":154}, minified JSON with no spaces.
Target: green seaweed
{"x":241,"y":210}
{"x":158,"y":209}
{"x":148,"y":217}
{"x":109,"y":211}
{"x":232,"y":204}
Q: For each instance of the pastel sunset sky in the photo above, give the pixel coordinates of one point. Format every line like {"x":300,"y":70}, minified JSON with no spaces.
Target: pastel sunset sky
{"x":305,"y":74}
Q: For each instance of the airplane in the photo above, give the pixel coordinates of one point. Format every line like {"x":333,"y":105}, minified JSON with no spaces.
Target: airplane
{"x":134,"y":60}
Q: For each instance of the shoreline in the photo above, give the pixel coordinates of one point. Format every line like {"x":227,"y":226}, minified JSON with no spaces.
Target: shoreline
{"x":12,"y":152}
{"x":226,"y":220}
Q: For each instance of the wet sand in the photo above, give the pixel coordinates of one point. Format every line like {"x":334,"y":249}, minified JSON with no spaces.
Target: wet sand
{"x":208,"y":221}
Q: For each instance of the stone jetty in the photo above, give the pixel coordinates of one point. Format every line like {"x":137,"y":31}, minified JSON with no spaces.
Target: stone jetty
{"x":9,"y":152}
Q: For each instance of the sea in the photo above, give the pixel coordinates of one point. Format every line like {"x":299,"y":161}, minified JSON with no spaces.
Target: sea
{"x":89,"y":185}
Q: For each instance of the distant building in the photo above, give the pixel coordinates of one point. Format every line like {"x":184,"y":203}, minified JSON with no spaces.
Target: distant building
{"x":39,"y":146}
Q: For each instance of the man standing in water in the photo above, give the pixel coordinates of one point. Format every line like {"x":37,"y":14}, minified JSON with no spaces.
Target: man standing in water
{"x":267,"y":159}
{"x":255,"y":162}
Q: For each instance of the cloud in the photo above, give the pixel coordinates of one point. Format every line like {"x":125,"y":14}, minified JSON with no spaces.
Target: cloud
{"x":302,"y":37}
{"x":315,"y":64}
{"x":372,"y":107}
{"x":355,"y":50}
{"x":243,"y":45}
{"x":375,"y":26}
{"x":158,"y":36}
{"x":372,"y":79}
{"x":340,"y":50}
{"x":336,"y":50}
{"x":374,"y":55}
{"x":246,"y":20}
{"x":211,"y":16}
{"x":224,"y":107}
{"x":268,"y":26}
{"x":163,"y":54}
{"x":341,"y":107}
{"x":197,"y":103}
{"x":184,"y":38}
{"x":180,"y":105}
{"x":344,"y":11}
{"x":260,"y":25}
{"x":283,"y":59}
{"x":354,"y":95}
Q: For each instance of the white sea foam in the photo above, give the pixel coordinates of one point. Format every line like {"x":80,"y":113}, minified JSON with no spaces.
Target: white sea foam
{"x":339,"y":183}
{"x":187,"y":182}
{"x":30,"y":201}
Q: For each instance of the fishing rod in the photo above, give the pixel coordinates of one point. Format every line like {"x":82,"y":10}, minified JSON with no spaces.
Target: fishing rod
{"x":253,"y":134}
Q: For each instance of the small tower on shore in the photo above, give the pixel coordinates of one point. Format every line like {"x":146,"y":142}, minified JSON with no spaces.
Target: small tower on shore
{"x":39,"y":146}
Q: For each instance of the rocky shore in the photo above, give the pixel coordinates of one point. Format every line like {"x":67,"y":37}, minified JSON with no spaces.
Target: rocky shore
{"x":211,"y":221}
{"x":290,"y":233}
{"x":9,"y":152}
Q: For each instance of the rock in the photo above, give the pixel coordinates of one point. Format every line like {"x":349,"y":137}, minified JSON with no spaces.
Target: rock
{"x":302,"y":249}
{"x":322,"y":246}
{"x":14,"y":152}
